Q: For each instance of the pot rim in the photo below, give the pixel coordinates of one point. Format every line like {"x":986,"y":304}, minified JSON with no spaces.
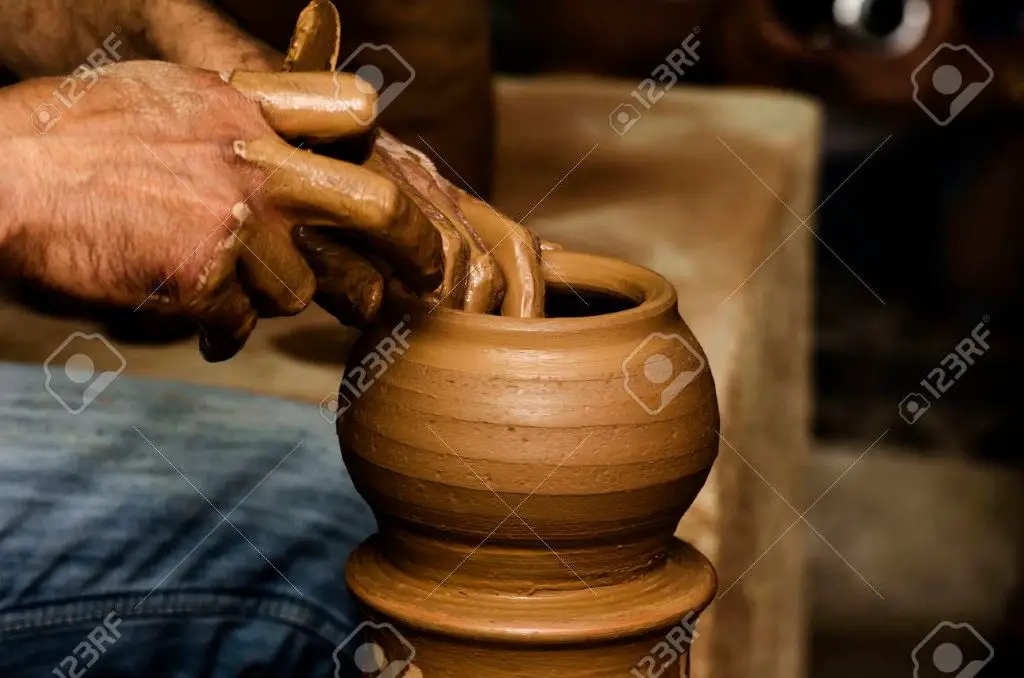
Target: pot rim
{"x":578,"y":271}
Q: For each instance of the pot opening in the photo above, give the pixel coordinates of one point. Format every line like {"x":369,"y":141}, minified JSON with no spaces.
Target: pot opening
{"x":561,"y":301}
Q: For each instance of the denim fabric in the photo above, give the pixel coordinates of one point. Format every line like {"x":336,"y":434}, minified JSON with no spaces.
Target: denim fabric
{"x":171,"y":530}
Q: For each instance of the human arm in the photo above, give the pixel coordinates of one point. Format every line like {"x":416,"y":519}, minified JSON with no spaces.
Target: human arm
{"x":140,"y":196}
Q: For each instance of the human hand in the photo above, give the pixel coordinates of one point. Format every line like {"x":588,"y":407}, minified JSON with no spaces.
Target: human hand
{"x":490,"y":261}
{"x":167,"y":188}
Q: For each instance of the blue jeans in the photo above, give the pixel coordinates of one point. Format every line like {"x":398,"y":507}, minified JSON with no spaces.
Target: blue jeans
{"x":171,"y":530}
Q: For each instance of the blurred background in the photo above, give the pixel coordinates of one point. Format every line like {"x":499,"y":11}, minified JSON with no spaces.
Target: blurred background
{"x":916,"y":263}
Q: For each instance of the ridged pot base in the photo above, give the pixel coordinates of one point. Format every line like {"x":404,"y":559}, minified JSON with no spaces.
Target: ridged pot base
{"x":587,"y":631}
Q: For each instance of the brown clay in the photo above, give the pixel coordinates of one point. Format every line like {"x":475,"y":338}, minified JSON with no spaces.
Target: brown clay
{"x":447,"y":42}
{"x":517,"y":252}
{"x":319,"y":190}
{"x":482,"y":281}
{"x":308,"y":104}
{"x":348,"y":285}
{"x":454,"y":246}
{"x":316,"y":40}
{"x":526,"y":501}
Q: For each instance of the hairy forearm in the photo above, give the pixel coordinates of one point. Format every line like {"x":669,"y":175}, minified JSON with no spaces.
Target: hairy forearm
{"x":53,"y":37}
{"x":18,"y":150}
{"x":193,"y":33}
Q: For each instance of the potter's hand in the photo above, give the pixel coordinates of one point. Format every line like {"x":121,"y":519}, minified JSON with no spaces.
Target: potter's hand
{"x":165,"y":187}
{"x":490,"y":261}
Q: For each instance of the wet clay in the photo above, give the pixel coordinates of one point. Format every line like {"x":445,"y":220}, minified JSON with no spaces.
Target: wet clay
{"x":481,"y":284}
{"x":504,"y":266}
{"x":490,"y":262}
{"x":526,"y":500}
{"x":319,"y":189}
{"x":307,"y":105}
{"x":517,"y":251}
{"x":316,"y":40}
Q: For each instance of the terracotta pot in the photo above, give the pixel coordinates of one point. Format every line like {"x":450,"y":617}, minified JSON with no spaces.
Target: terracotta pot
{"x":528,"y":475}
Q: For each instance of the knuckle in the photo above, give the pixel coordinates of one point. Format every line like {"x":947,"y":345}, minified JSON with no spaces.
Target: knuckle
{"x":386,"y":203}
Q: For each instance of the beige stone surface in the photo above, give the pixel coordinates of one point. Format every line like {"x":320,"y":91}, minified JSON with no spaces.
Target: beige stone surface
{"x":693,"y":190}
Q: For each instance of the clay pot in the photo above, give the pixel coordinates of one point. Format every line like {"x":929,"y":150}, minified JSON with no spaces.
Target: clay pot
{"x":528,"y":474}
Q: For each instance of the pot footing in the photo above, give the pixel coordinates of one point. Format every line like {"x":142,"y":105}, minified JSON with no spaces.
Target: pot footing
{"x":455,"y":631}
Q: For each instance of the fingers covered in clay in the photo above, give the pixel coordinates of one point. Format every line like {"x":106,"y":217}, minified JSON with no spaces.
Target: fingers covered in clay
{"x":322,"y":191}
{"x":348,"y":286}
{"x":312,"y":105}
{"x":517,"y":252}
{"x":478,"y":285}
{"x":273,"y":272}
{"x":455,"y":249}
{"x":225,"y":322}
{"x":484,"y":282}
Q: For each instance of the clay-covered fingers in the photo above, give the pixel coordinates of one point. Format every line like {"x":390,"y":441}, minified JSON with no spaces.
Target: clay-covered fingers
{"x":484,"y":282}
{"x":455,"y":249}
{"x":368,"y":207}
{"x":273,"y":272}
{"x":311,"y":105}
{"x":226,"y":319}
{"x":481,"y":288}
{"x":517,"y":252}
{"x":348,"y":285}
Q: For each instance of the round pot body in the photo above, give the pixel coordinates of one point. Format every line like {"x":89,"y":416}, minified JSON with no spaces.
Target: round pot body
{"x":528,"y":476}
